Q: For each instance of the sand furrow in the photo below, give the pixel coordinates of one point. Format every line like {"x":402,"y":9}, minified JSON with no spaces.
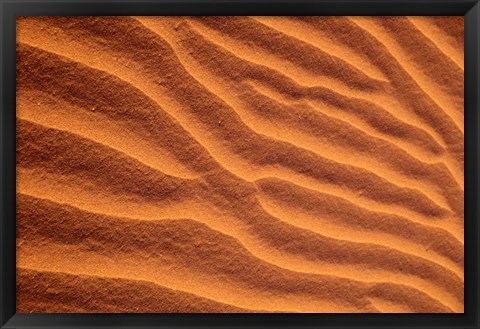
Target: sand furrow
{"x":364,"y":115}
{"x":219,"y":117}
{"x":157,"y":265}
{"x":307,"y":119}
{"x":351,"y":58}
{"x":154,"y":194}
{"x":256,"y":243}
{"x":315,"y":130}
{"x":433,"y":62}
{"x":321,"y":249}
{"x":286,"y":48}
{"x":148,"y":116}
{"x":446,"y":223}
{"x":270,"y":62}
{"x":344,"y":30}
{"x":74,"y":189}
{"x":104,"y":134}
{"x":326,"y":161}
{"x":281,"y":72}
{"x":64,"y":292}
{"x":440,"y":39}
{"x":236,"y":149}
{"x":321,"y":209}
{"x":252,"y":234}
{"x":220,"y":61}
{"x":98,"y":163}
{"x":83,"y":173}
{"x":453,"y":27}
{"x":217,"y":38}
{"x":240,"y":164}
{"x":429,"y":87}
{"x":173,"y":243}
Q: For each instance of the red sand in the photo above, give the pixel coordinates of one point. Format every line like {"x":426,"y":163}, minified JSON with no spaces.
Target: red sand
{"x":234,"y":164}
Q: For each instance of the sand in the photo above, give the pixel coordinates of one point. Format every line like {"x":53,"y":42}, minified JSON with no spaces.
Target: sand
{"x":235,"y":164}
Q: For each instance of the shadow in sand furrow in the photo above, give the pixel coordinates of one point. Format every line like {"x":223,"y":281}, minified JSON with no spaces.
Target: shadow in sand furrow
{"x":453,"y":26}
{"x":427,"y":56}
{"x":341,"y":29}
{"x":266,"y":39}
{"x":301,"y":243}
{"x":51,"y":112}
{"x":306,"y":120}
{"x":64,"y":153}
{"x":293,"y":89}
{"x":315,"y":124}
{"x":201,"y":249}
{"x":381,"y":120}
{"x":339,"y":211}
{"x":114,"y":99}
{"x":232,"y":133}
{"x":314,"y":247}
{"x":57,"y":292}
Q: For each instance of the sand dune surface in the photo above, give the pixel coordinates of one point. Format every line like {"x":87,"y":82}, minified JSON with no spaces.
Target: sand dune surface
{"x":240,"y":164}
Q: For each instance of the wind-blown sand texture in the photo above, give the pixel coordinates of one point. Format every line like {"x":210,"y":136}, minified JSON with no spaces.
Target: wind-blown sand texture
{"x":235,"y":164}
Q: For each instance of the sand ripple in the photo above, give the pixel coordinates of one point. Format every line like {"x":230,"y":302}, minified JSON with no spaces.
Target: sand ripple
{"x":235,"y":164}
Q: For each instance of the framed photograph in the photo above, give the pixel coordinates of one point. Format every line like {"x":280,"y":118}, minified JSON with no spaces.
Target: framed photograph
{"x":237,"y":164}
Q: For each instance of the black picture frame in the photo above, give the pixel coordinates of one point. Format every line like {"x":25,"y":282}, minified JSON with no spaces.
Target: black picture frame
{"x":10,"y":9}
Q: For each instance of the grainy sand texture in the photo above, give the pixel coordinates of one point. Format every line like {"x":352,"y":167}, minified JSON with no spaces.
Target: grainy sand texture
{"x":240,"y":164}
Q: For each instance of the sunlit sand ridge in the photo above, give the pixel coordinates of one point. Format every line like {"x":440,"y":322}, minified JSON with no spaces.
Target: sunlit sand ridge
{"x":240,"y":164}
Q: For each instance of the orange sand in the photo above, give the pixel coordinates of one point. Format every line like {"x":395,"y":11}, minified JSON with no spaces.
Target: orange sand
{"x":234,"y":164}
